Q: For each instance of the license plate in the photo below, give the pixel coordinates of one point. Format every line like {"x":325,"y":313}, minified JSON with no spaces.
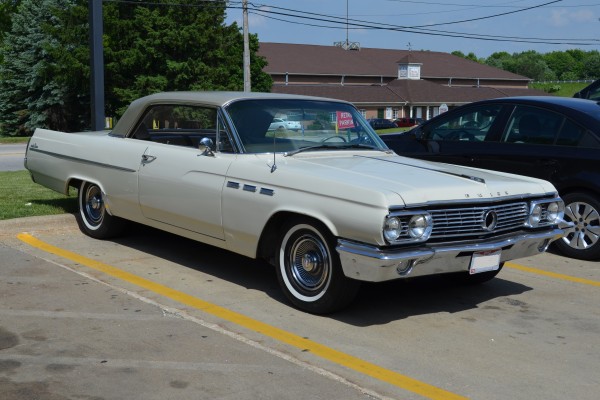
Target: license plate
{"x":485,"y":261}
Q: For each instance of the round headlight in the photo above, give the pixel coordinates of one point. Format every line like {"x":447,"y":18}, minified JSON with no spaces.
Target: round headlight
{"x":536,"y":215}
{"x":553,"y":212}
{"x":392,"y":229}
{"x":417,"y":226}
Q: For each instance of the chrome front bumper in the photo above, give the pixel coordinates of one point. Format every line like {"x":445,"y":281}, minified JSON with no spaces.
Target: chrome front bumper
{"x":374,"y":264}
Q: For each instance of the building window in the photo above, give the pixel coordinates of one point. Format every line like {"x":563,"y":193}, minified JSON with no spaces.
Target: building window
{"x":363,"y":112}
{"x":395,"y":113}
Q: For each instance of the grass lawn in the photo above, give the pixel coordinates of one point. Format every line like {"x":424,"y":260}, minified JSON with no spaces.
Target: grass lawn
{"x":567,"y":89}
{"x":391,"y":130}
{"x":20,"y":197}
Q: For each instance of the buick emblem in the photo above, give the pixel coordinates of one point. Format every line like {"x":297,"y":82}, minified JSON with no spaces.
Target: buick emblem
{"x":490,"y":220}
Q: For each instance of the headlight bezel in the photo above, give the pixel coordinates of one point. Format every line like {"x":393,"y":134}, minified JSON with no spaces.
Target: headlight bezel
{"x":545,"y":212}
{"x":407,"y":227}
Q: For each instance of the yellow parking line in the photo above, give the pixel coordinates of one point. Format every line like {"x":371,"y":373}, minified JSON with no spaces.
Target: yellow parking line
{"x":346,"y":360}
{"x":552,"y":274}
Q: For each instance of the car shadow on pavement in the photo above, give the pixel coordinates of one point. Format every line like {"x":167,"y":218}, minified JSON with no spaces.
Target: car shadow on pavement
{"x":381,"y":303}
{"x":376,"y":303}
{"x":242,"y":271}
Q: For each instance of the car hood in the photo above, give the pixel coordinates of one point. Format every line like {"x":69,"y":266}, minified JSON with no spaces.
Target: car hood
{"x":414,"y":181}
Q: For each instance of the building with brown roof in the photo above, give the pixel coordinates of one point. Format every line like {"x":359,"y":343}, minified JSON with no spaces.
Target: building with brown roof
{"x":385,"y":83}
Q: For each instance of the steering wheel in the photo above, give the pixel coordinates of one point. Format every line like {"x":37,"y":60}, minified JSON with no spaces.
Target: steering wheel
{"x":335,"y":137}
{"x":363,"y":139}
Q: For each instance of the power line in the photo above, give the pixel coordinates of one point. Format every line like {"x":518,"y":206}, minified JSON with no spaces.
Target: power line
{"x":405,"y":27}
{"x":336,"y":23}
{"x":490,"y":16}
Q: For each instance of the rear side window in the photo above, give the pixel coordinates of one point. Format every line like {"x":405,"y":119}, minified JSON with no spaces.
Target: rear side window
{"x":589,"y":140}
{"x":591,"y":92}
{"x":531,"y":125}
{"x":594,"y":93}
{"x":570,"y":134}
{"x":182,"y":125}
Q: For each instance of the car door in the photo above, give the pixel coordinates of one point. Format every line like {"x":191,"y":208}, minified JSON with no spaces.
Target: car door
{"x":453,"y":138}
{"x":180,"y":185}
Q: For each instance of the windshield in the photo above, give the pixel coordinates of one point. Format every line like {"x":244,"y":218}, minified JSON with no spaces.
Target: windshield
{"x":280,"y":125}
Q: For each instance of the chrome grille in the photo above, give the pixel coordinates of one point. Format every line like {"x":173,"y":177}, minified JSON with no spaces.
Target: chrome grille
{"x":470,"y":221}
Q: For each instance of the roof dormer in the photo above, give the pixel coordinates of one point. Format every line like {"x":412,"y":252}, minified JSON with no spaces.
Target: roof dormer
{"x":409,"y":68}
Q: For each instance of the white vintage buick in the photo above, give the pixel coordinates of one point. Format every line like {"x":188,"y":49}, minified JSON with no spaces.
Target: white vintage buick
{"x":328,"y":204}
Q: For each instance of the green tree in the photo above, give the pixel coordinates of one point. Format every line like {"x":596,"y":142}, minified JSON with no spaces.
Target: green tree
{"x":30,"y":95}
{"x":502,"y":60}
{"x":471,"y":56}
{"x":561,"y":63}
{"x":177,"y":45}
{"x":591,"y":68}
{"x":532,"y":65}
{"x":7,"y":9}
{"x":148,"y":47}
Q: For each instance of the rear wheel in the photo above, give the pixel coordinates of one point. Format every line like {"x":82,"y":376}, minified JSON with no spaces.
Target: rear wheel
{"x":309,"y":269}
{"x":582,"y":240}
{"x":93,"y":219}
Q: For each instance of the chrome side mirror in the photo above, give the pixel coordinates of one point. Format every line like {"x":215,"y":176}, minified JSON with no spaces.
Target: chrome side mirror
{"x":206,"y":146}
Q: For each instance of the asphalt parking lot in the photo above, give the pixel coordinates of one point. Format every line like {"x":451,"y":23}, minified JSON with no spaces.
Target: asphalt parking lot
{"x":11,"y":157}
{"x":155,"y":316}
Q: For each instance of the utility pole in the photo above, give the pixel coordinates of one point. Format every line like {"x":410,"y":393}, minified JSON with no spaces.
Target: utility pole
{"x":96,"y":65}
{"x":247,"y":87}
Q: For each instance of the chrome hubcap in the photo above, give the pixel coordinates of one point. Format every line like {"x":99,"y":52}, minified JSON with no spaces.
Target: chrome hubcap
{"x":309,"y":263}
{"x":94,"y":206}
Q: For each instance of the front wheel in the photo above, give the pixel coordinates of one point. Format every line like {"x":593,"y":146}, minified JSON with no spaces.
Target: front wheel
{"x":309,"y":269}
{"x":582,"y":239}
{"x":92,"y":217}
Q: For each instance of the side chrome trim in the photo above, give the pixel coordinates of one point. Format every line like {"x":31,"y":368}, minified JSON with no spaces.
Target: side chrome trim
{"x":81,"y":160}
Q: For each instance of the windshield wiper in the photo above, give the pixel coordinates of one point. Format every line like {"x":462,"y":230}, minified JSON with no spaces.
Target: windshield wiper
{"x":359,"y":146}
{"x":336,"y":146}
{"x":307,"y":148}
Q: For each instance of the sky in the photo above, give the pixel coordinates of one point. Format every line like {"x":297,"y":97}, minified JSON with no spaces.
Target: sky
{"x":513,"y":26}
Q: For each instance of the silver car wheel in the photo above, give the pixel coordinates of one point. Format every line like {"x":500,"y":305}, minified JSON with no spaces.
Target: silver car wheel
{"x":585,"y":231}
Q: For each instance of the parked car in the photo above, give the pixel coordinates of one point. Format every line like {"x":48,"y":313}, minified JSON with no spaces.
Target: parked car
{"x":591,"y":92}
{"x":408,"y":122}
{"x":381,"y":123}
{"x":284,"y":124}
{"x":553,"y":138}
{"x":328,"y":208}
